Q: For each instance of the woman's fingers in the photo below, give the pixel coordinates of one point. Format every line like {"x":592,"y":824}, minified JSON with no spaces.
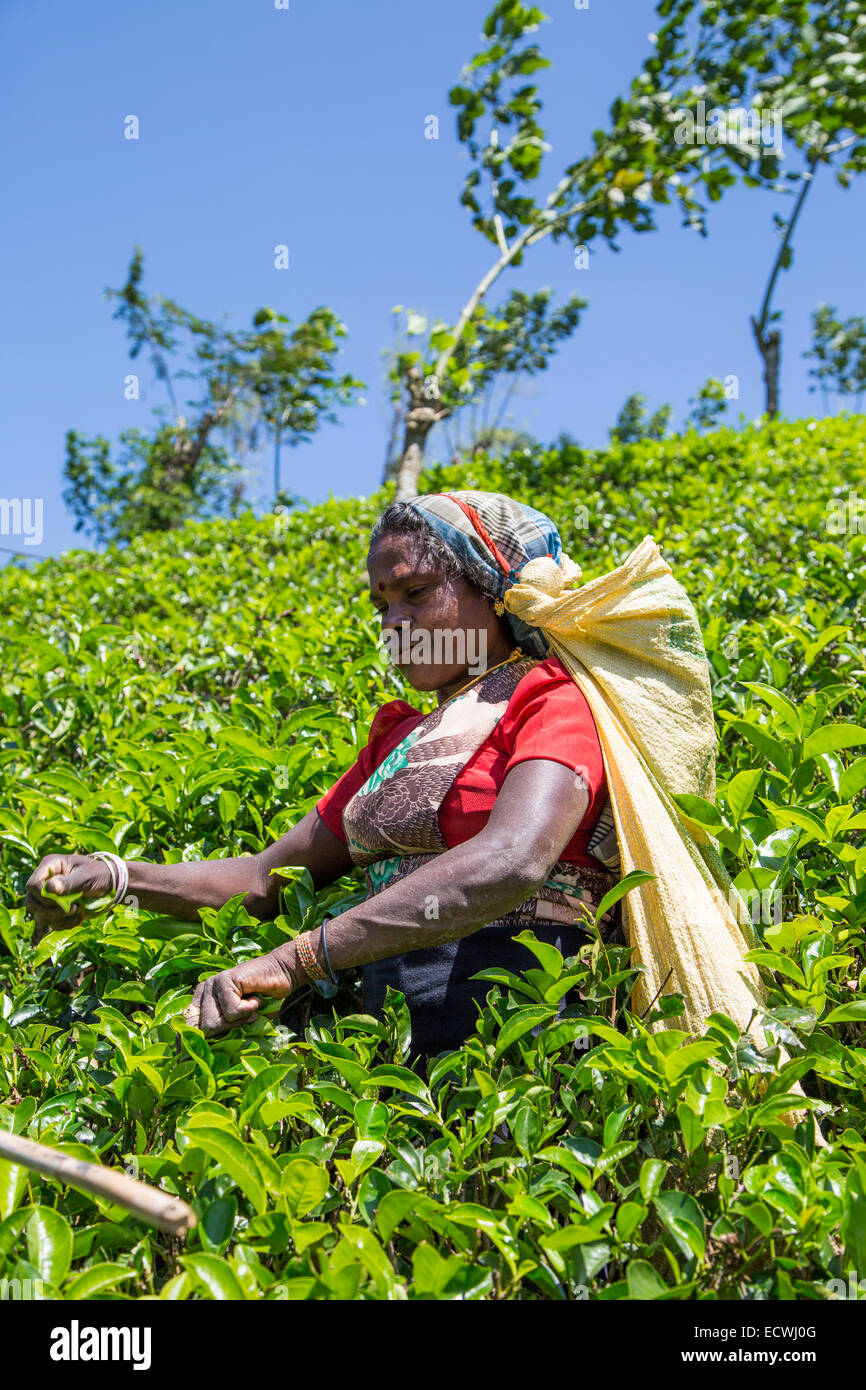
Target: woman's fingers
{"x":64,"y":877}
{"x":234,"y":1007}
{"x":210,"y":1017}
{"x":50,"y":864}
{"x":43,"y":910}
{"x":89,"y":876}
{"x":233,"y":996}
{"x":218,"y":1005}
{"x":192,"y":1013}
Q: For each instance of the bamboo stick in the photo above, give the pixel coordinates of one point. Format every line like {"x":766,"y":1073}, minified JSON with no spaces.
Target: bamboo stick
{"x":148,"y":1203}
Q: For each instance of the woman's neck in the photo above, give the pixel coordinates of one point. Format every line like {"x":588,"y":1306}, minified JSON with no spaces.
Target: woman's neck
{"x":495,"y":658}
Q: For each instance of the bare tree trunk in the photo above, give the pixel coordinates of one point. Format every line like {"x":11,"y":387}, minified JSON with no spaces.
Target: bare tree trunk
{"x":277,"y":441}
{"x":770,"y":348}
{"x":183,"y":460}
{"x":424,"y":411}
{"x":187,"y":452}
{"x":411,"y":464}
{"x":389,"y":472}
{"x":770,"y":344}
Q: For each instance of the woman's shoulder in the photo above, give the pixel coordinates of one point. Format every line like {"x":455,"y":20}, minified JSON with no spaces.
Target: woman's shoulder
{"x":549,"y":716}
{"x":548,"y":691}
{"x":389,"y":717}
{"x":547,"y":675}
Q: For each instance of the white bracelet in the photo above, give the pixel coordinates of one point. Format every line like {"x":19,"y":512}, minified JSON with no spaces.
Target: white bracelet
{"x":119,"y":873}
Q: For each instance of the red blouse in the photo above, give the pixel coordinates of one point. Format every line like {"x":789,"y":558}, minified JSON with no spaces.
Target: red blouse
{"x":547,"y":717}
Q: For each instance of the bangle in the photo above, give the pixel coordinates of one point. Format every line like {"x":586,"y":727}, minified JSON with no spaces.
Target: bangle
{"x":332,"y":977}
{"x":119,"y":873}
{"x":307,"y":957}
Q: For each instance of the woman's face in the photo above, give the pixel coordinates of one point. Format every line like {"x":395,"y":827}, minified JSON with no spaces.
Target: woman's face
{"x":439,"y":631}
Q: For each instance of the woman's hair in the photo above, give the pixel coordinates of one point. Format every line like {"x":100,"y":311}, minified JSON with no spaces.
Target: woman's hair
{"x":402,"y":519}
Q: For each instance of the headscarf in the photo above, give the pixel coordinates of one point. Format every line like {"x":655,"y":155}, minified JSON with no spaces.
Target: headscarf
{"x":501,"y":535}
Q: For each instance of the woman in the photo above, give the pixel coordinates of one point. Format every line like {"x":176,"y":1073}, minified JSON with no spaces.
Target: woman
{"x":484,"y":817}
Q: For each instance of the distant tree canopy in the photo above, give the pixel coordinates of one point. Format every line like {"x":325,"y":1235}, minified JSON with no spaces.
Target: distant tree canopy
{"x":725,"y":84}
{"x":681,"y":132}
{"x":633,"y":423}
{"x":839,"y":353}
{"x":776,"y":79}
{"x":244,"y":387}
{"x":709,"y":405}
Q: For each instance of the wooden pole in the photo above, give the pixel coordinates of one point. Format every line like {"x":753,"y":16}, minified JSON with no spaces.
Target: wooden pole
{"x":148,"y":1203}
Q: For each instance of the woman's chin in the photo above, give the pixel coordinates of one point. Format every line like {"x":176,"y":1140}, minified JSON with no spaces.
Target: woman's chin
{"x":424,"y":677}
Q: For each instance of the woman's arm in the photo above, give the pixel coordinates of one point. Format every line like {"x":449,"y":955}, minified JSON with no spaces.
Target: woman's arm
{"x":181,"y":889}
{"x":538,"y":809}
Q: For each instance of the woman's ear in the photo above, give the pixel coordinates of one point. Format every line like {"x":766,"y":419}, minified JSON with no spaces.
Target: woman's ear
{"x":503,"y":626}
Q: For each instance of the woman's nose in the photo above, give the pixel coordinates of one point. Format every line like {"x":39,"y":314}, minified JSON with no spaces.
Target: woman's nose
{"x":394,"y":617}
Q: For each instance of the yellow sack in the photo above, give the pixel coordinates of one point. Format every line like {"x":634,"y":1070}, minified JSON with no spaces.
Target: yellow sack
{"x":632,"y":642}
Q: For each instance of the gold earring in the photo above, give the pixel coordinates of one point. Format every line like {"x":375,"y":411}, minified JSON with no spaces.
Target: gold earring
{"x":498,"y":607}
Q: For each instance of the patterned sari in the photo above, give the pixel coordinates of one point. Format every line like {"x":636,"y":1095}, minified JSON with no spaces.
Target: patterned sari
{"x":392,"y":829}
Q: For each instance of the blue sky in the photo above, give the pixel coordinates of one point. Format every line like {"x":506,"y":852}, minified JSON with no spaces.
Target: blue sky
{"x":305,"y":126}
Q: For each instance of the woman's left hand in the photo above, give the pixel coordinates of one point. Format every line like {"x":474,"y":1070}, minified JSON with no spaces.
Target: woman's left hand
{"x":234,"y":996}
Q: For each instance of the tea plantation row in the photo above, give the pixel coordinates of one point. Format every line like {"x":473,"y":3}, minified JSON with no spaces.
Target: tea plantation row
{"x":192,"y":695}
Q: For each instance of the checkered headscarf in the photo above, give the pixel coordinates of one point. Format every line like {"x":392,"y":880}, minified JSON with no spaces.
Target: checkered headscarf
{"x":498,"y":533}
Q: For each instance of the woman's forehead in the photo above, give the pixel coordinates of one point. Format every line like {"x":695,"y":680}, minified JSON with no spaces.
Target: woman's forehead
{"x":386,"y":570}
{"x":395,"y":558}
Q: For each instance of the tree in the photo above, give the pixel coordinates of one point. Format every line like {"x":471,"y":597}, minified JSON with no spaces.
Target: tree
{"x":782,"y":70}
{"x":633,"y":163}
{"x":632,"y":424}
{"x":710,"y":404}
{"x":293,"y":377}
{"x":498,"y":350}
{"x":839,"y":350}
{"x":265,"y":381}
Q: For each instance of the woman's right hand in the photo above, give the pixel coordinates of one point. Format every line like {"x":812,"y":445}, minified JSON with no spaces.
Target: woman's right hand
{"x":63,"y":874}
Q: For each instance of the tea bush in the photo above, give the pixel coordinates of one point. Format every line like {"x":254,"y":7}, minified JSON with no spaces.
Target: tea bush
{"x":191,"y":696}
